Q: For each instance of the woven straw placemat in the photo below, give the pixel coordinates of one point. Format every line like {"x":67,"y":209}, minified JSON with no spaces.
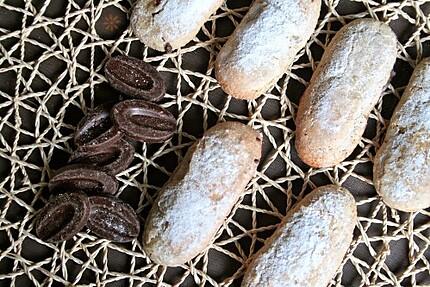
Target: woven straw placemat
{"x":51,"y":73}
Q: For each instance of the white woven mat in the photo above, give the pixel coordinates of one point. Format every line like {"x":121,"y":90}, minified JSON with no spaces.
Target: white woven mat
{"x":51,"y":69}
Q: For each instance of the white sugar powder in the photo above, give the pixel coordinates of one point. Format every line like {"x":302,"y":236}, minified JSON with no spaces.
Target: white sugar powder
{"x":309,"y":245}
{"x":191,"y":209}
{"x":403,"y":161}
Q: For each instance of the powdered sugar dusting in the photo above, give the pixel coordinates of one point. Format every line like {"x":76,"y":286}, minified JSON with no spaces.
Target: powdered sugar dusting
{"x":173,"y":22}
{"x":309,"y":245}
{"x":402,"y":164}
{"x":350,"y":78}
{"x":193,"y":205}
{"x":265,"y":43}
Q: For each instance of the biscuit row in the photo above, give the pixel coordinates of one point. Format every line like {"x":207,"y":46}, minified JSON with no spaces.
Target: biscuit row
{"x":310,"y":243}
{"x":335,"y":108}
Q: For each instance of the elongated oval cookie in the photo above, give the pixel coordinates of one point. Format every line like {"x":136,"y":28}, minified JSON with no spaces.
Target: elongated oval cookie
{"x":309,"y":244}
{"x":401,"y":170}
{"x":201,"y":193}
{"x":264,"y":45}
{"x":166,"y":25}
{"x":348,"y":82}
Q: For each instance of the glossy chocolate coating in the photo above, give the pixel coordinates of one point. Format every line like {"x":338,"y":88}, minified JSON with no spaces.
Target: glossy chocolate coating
{"x":144,"y":121}
{"x":96,"y":130}
{"x":63,"y":217}
{"x":135,"y":78}
{"x":113,"y":219}
{"x":112,"y":160}
{"x":84,"y":178}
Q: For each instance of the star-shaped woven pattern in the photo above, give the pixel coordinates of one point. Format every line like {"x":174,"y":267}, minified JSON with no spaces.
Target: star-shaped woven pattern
{"x":51,"y":74}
